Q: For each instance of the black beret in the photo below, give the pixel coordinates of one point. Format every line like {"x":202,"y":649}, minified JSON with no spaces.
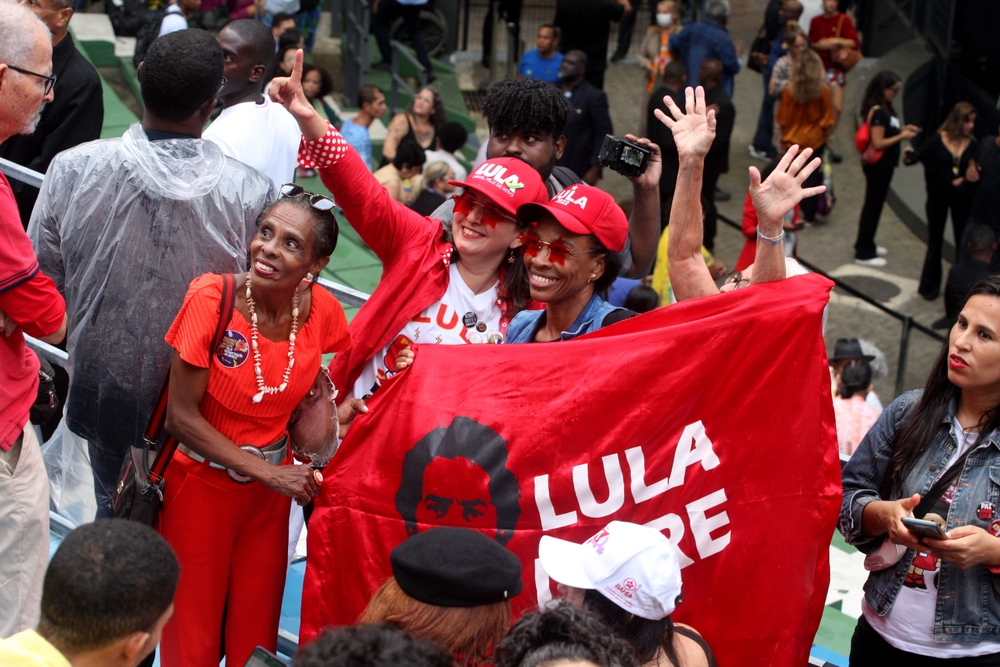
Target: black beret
{"x":455,"y":567}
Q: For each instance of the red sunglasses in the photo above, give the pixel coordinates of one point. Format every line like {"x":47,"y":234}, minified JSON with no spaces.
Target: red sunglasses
{"x":491,"y":215}
{"x":558,"y":250}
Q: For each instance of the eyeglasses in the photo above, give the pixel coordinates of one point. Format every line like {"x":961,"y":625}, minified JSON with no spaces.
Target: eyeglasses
{"x":491,"y":215}
{"x":50,"y":79}
{"x":318,"y":202}
{"x":222,"y":85}
{"x":558,"y":250}
{"x":736,"y":279}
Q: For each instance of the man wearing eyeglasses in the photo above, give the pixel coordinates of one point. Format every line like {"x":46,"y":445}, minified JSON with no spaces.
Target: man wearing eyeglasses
{"x":74,"y":117}
{"x":123,"y":225}
{"x":30,"y":304}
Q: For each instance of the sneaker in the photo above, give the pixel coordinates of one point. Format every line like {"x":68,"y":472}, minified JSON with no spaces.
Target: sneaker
{"x":382,"y":66}
{"x":617,"y":57}
{"x":759,"y":154}
{"x":880,"y":251}
{"x":721,"y":195}
{"x":873,"y":262}
{"x":835,"y":157}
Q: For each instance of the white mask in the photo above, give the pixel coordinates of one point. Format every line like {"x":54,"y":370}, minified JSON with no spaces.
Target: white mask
{"x":663,"y":20}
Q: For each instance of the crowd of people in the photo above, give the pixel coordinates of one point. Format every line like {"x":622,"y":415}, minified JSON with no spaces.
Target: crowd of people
{"x":182,"y":257}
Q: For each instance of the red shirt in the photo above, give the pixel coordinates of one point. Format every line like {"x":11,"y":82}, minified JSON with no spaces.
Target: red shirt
{"x":31,"y":299}
{"x":228,"y":400}
{"x":838,"y":25}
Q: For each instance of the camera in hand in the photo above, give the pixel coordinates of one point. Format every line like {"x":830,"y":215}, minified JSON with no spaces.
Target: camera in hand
{"x":627,"y":158}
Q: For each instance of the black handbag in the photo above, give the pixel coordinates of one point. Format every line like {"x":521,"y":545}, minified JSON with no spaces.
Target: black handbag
{"x":139,"y":491}
{"x":760,"y":51}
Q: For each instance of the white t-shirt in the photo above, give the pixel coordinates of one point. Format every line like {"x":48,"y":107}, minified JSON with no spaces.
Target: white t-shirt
{"x":263,"y":135}
{"x":909,"y":625}
{"x":449,"y":159}
{"x":173,"y":21}
{"x":459,"y":318}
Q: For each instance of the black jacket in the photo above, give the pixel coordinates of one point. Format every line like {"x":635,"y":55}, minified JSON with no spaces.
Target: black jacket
{"x":74,"y":117}
{"x":661,"y":135}
{"x":589,"y":121}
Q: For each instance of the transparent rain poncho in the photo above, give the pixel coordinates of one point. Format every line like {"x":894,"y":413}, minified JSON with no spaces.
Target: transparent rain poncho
{"x":122,"y":226}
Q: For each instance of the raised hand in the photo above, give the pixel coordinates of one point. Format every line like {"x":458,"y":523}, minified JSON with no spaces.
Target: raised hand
{"x":782,"y":190}
{"x":694,"y":131}
{"x":287,"y":91}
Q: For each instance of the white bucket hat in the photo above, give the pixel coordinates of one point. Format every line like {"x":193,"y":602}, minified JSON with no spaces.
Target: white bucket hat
{"x":633,"y":566}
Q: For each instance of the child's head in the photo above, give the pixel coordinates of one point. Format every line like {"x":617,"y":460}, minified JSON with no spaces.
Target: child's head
{"x":642,"y":299}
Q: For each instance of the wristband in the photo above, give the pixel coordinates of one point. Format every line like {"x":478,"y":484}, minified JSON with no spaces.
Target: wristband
{"x":995,"y":569}
{"x":768,"y":239}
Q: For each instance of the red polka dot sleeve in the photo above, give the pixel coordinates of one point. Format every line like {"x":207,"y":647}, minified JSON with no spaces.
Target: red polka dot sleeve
{"x":323,"y":152}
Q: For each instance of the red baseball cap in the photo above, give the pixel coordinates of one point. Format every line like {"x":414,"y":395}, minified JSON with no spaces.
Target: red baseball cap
{"x":507,"y":182}
{"x":583,"y":209}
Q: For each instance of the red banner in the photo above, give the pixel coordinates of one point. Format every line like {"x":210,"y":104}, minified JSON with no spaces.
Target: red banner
{"x":710,"y":420}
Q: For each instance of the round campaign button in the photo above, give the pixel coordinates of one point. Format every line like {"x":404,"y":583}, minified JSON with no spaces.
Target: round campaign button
{"x":233,"y":349}
{"x":469,"y":320}
{"x":475,"y":338}
{"x":494,"y":337}
{"x":481,"y":327}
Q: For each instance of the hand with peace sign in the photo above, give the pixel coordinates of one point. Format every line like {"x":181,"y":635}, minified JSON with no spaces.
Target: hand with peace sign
{"x":287,"y":91}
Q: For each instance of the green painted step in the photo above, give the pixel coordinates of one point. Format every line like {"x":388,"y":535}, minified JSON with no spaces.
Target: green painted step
{"x":446,"y":84}
{"x":117,"y":116}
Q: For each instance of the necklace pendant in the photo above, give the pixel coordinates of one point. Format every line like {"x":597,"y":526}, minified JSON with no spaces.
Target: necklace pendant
{"x":258,"y":397}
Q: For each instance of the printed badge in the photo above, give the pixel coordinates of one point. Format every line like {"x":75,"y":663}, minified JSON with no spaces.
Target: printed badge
{"x":233,"y":350}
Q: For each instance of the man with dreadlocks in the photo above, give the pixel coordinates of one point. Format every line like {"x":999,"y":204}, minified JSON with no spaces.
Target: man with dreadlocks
{"x":527,"y":120}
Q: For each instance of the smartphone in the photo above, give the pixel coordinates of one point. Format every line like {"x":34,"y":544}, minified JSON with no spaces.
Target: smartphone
{"x":923,"y":528}
{"x":261,"y":657}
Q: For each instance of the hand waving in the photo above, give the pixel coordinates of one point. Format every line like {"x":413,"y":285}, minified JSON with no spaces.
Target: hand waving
{"x":287,"y":91}
{"x":782,"y":190}
{"x":693,"y":131}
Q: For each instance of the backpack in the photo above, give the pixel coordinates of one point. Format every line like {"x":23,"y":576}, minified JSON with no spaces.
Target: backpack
{"x":565,"y":177}
{"x":146,"y":35}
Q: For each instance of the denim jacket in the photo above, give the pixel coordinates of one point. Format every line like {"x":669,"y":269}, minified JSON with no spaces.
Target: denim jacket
{"x":968,"y":601}
{"x":524,"y":325}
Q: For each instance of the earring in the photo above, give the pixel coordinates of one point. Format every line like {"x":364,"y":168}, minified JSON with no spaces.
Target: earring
{"x":510,"y":258}
{"x":593,"y":277}
{"x":309,"y":277}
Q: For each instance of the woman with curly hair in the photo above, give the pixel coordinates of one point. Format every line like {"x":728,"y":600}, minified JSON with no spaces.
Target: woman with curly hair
{"x":563,"y":633}
{"x":421,"y":122}
{"x":807,"y":118}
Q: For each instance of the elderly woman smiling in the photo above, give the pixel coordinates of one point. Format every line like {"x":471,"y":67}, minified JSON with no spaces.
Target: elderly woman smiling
{"x":571,"y":257}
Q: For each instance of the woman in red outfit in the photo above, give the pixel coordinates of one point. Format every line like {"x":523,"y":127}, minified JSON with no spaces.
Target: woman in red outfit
{"x":230,"y":484}
{"x":441,"y":286}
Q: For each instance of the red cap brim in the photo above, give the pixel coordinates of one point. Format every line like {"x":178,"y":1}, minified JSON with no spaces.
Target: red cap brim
{"x":529,"y":213}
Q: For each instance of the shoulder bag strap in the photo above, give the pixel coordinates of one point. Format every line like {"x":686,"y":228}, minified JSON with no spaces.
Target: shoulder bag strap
{"x":156,"y":420}
{"x":940,"y":486}
{"x":840,"y":24}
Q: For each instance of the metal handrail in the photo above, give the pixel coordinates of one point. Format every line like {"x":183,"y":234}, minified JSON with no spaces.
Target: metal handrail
{"x":346,"y":295}
{"x":908,"y":322}
{"x":398,"y":49}
{"x":19,"y":173}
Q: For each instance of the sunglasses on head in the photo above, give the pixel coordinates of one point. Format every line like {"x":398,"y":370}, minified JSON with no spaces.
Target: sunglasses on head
{"x":558,"y":250}
{"x":491,"y":215}
{"x":318,"y":202}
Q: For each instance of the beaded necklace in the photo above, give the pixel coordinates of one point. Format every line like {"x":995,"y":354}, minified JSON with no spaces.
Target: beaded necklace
{"x":262,"y":388}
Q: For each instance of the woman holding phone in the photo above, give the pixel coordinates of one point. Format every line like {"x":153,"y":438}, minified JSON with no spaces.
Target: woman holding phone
{"x":934,"y":454}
